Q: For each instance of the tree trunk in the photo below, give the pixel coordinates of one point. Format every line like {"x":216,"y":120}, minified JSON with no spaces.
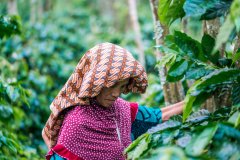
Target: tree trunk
{"x":236,"y":47}
{"x":48,"y":5}
{"x":211,"y":27}
{"x":40,"y":9}
{"x":170,"y":90}
{"x":222,"y":96}
{"x":184,"y":25}
{"x":136,"y":27}
{"x":12,"y":7}
{"x":106,"y":8}
{"x":33,"y":10}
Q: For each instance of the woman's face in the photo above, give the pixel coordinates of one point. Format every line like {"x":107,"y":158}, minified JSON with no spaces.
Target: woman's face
{"x":108,"y":95}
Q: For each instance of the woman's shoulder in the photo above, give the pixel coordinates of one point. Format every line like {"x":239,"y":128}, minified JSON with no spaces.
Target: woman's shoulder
{"x":121,"y":101}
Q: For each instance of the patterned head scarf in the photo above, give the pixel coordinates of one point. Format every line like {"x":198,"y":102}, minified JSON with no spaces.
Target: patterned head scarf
{"x":101,"y":66}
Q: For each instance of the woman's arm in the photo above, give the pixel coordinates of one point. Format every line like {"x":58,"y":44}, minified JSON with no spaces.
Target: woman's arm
{"x":171,"y":110}
{"x":144,"y":117}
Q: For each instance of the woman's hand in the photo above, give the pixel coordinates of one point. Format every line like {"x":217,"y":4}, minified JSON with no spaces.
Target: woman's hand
{"x":171,"y":110}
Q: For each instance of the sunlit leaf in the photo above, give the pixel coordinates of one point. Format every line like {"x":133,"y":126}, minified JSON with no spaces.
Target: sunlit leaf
{"x":235,"y":119}
{"x":199,"y":142}
{"x":235,"y":13}
{"x":236,"y":56}
{"x":224,"y":33}
{"x":166,"y":153}
{"x":166,"y":60}
{"x":170,"y":10}
{"x":140,"y":148}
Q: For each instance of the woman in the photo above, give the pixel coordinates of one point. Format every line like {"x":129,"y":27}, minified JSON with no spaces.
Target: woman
{"x":88,"y":119}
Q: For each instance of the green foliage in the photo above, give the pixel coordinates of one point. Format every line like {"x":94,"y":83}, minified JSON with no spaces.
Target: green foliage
{"x":10,"y":25}
{"x":190,"y":59}
{"x":214,"y":79}
{"x":197,"y":146}
{"x":202,"y":135}
{"x":187,"y":57}
{"x":36,"y":65}
{"x":208,"y":84}
{"x":169,"y":11}
{"x":174,"y":152}
{"x":197,"y":138}
{"x":236,"y":57}
{"x":139,"y":147}
{"x":205,"y":9}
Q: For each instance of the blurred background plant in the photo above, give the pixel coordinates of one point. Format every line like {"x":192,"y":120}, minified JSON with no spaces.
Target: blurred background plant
{"x":41,"y":43}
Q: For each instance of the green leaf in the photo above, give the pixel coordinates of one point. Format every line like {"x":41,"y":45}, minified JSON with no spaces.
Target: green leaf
{"x":187,"y":108}
{"x":184,"y":140}
{"x":200,"y":99}
{"x":235,"y":119}
{"x":166,"y":153}
{"x":219,"y":9}
{"x":208,"y":44}
{"x":135,"y":143}
{"x":224,"y":32}
{"x":229,"y":131}
{"x":190,"y":47}
{"x":218,"y":77}
{"x":236,"y":56}
{"x":177,"y":70}
{"x":170,"y":10}
{"x":167,"y":60}
{"x":206,"y":9}
{"x":197,"y":72}
{"x":225,"y":62}
{"x":221,"y":113}
{"x":141,"y":147}
{"x":198,"y":116}
{"x":200,"y":141}
{"x":189,"y":100}
{"x":164,"y":126}
{"x":237,"y":122}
